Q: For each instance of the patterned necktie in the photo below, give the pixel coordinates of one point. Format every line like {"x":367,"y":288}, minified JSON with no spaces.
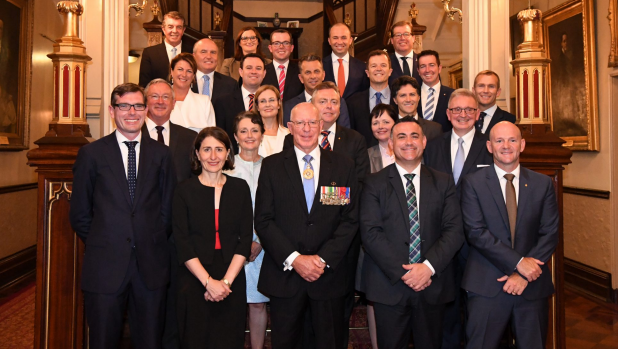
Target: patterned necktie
{"x":480,"y":121}
{"x":511,"y":204}
{"x":428,"y":112}
{"x":341,"y":77}
{"x":131,"y":170}
{"x":325,"y":144}
{"x":160,"y":138}
{"x":378,"y":98}
{"x":460,"y":158}
{"x":415,"y":227}
{"x":206,"y":85}
{"x":308,"y":183}
{"x":174,"y":50}
{"x":406,"y":67}
{"x":251,"y":102}
{"x":281,"y":80}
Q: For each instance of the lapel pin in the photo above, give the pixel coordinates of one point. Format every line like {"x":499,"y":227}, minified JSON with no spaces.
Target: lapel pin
{"x":525,"y":185}
{"x":333,"y":183}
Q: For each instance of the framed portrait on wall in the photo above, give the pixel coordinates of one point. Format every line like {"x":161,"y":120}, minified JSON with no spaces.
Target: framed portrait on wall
{"x":570,"y":40}
{"x":15,"y":63}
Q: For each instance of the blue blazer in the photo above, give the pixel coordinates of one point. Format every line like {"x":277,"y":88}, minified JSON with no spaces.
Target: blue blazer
{"x":357,"y":78}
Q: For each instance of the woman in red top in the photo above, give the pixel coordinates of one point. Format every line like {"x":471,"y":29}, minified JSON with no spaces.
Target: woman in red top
{"x":213,"y":226}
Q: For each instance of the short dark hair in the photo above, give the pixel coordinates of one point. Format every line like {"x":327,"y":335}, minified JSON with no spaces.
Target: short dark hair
{"x":430,"y":53}
{"x":311,"y":57}
{"x":251,"y":55}
{"x":383,"y":109}
{"x":403,"y":81}
{"x":255,"y":118}
{"x":218,"y":134}
{"x":326,"y":85}
{"x":407,"y":119}
{"x":187,"y":57}
{"x":279,"y":31}
{"x":127,"y":87}
{"x":378,"y":53}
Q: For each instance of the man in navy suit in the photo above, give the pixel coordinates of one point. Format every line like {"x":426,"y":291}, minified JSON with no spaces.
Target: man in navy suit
{"x":282,"y":73}
{"x":121,"y":209}
{"x":511,"y":222}
{"x":347,"y":72}
{"x":458,"y":152}
{"x":311,"y":75}
{"x":411,"y":229}
{"x":404,"y":60}
{"x":156,"y":59}
{"x":487,"y":89}
{"x":210,"y":82}
{"x":406,"y":95}
{"x":363,"y":102}
{"x":434,"y":96}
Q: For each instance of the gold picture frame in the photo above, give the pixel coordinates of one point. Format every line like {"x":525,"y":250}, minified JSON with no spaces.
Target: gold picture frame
{"x":15,"y":73}
{"x":613,"y":30}
{"x":569,"y":36}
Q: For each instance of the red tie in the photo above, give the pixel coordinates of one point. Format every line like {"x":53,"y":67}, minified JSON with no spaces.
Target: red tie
{"x":281,"y":80}
{"x":341,"y":77}
{"x":251,"y":101}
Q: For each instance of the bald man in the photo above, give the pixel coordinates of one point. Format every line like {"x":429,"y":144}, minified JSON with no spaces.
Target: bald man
{"x":210,"y":82}
{"x":347,"y":72}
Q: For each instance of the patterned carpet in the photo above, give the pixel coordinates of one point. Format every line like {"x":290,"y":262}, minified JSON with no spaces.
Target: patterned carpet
{"x":17,"y":320}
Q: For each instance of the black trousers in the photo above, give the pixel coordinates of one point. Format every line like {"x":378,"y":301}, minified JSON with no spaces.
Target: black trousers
{"x":489,"y":317}
{"x":105,"y":313}
{"x":171,"y":340}
{"x":395,"y":323}
{"x":287,"y":318}
{"x":455,"y":311}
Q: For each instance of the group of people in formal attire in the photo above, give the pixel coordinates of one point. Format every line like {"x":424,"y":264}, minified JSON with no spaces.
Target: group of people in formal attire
{"x":227,"y":187}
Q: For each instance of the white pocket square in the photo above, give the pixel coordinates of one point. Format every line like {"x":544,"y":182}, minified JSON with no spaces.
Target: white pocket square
{"x":482,"y":166}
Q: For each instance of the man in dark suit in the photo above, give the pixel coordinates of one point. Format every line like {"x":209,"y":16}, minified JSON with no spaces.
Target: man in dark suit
{"x":156,"y":59}
{"x":210,"y":82}
{"x":121,"y":209}
{"x":458,"y":152}
{"x":404,"y":60}
{"x":434,"y":96}
{"x":487,"y":89}
{"x":506,"y":276}
{"x":311,"y":74}
{"x":228,"y":106}
{"x":306,"y":233}
{"x":347,"y":72}
{"x":363,"y":102}
{"x":282,"y":73}
{"x":406,"y":94}
{"x":410,"y":241}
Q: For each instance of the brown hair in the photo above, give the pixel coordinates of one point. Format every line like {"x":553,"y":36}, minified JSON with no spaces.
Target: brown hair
{"x":311,"y":57}
{"x":220,"y":135}
{"x":255,"y":118}
{"x":238,"y":50}
{"x":487,"y":72}
{"x":400,"y":24}
{"x":277,"y":94}
{"x":325,"y":85}
{"x":378,"y":53}
{"x":280,"y":31}
{"x":127,"y":87}
{"x":187,"y":57}
{"x":175,"y":15}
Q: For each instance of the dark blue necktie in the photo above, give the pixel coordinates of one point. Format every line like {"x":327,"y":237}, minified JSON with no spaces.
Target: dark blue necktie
{"x":415,"y":229}
{"x":131,"y":168}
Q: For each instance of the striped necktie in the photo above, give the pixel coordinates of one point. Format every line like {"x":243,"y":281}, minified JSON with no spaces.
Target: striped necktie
{"x":281,"y":80}
{"x":325,"y":143}
{"x":415,"y":228}
{"x":428,"y":112}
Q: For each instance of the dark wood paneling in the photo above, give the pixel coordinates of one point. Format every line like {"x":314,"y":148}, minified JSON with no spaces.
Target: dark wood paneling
{"x":19,"y":187}
{"x":17,"y":266}
{"x":593,"y":193}
{"x":592,"y":281}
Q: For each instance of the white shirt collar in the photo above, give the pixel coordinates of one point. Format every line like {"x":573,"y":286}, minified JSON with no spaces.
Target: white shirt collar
{"x":491,"y":110}
{"x":425,"y":88}
{"x":315,"y":153}
{"x":168,"y":47}
{"x":150,"y":125}
{"x":199,"y":75}
{"x":411,"y":55}
{"x":121,"y":138}
{"x":415,"y":116}
{"x":332,"y":129}
{"x":276,"y":65}
{"x":245,"y":92}
{"x":308,"y":97}
{"x":467,"y":138}
{"x":500,"y":172}
{"x":402,"y":171}
{"x":345,"y":58}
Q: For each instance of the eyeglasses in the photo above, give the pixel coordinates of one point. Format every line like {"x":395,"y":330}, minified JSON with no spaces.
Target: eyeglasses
{"x":302,"y":124}
{"x":127,"y":106}
{"x":248,"y":38}
{"x":399,"y":35}
{"x":278,"y":44}
{"x":458,"y":110}
{"x":267,"y":101}
{"x":165,"y":98}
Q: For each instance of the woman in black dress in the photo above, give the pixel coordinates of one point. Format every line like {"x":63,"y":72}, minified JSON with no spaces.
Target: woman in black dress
{"x":213,"y":226}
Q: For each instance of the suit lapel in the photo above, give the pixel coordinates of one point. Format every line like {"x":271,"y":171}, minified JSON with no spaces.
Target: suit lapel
{"x":496,"y":118}
{"x":174,"y":138}
{"x":328,"y":69}
{"x":291,"y":167}
{"x":428,"y":191}
{"x":395,"y":64}
{"x":524,"y":194}
{"x":395,"y":181}
{"x":339,"y":140}
{"x":476,"y":148}
{"x":446,"y":152}
{"x":493,"y":183}
{"x":114,"y":159}
{"x":326,"y":175}
{"x":144,"y":166}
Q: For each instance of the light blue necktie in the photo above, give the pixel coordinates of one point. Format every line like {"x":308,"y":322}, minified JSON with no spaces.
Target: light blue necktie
{"x":378,"y":98}
{"x":460,"y":158}
{"x":414,"y":253}
{"x":206,"y":85}
{"x":174,"y":50}
{"x":428,"y":112}
{"x":308,"y":183}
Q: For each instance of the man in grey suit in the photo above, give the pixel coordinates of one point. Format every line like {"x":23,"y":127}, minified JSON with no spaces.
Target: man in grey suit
{"x":406,"y":94}
{"x":487,"y":89}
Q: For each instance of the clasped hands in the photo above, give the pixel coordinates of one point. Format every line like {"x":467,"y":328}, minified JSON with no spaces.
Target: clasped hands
{"x":216,"y":290}
{"x":418,"y":276}
{"x":309,"y":267}
{"x":516,"y":284}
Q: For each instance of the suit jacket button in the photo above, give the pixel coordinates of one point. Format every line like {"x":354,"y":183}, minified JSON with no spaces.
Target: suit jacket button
{"x":128,"y":239}
{"x":406,"y":243}
{"x":132,"y":215}
{"x":309,"y":223}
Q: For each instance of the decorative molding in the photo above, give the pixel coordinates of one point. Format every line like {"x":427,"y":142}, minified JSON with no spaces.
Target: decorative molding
{"x":283,"y":20}
{"x":593,"y":193}
{"x":17,"y":266}
{"x":591,"y":281}
{"x":18,"y":187}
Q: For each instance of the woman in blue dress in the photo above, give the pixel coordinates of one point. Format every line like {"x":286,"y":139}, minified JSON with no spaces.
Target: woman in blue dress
{"x":249,"y":131}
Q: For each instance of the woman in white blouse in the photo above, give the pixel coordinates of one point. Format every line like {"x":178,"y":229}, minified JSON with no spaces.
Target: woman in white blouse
{"x":383,"y":117}
{"x":268,"y":106}
{"x":191,"y":110}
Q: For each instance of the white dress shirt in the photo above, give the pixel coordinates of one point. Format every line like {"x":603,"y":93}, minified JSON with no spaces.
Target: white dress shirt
{"x":467,"y":143}
{"x":386,"y":159}
{"x":331,"y":136}
{"x":124,"y":151}
{"x":200,"y":81}
{"x":168,"y":49}
{"x":489,"y":114}
{"x":245,"y":97}
{"x":386,"y":97}
{"x":425,"y":94}
{"x":410,"y":61}
{"x":416,"y":181}
{"x":308,"y":97}
{"x":346,"y":67}
{"x":152,"y":130}
{"x":500,"y":172}
{"x":315,"y":163}
{"x":278,"y":71}
{"x":415,"y":116}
